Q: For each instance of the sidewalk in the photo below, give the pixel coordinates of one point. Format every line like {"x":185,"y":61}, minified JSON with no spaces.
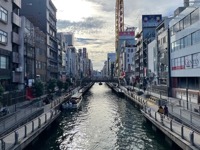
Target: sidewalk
{"x":177,"y":109}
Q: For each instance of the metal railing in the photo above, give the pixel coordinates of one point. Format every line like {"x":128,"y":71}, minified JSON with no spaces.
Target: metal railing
{"x":179,"y":129}
{"x":10,"y":140}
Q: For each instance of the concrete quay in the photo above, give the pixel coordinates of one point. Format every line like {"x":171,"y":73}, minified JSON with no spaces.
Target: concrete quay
{"x":24,"y":134}
{"x":183,"y":135}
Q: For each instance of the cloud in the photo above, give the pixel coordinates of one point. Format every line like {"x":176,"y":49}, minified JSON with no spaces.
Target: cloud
{"x":93,"y":21}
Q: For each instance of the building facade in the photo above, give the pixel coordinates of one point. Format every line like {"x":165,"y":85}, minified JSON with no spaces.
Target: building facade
{"x":185,"y":54}
{"x":42,"y":13}
{"x":10,"y":22}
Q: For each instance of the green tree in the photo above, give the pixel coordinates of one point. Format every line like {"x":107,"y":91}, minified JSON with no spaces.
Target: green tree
{"x":51,"y":85}
{"x":38,"y":88}
{"x":66,"y":86}
{"x":59,"y":84}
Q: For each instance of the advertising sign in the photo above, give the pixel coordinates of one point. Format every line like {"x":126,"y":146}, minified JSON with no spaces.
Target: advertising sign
{"x":196,"y":60}
{"x":151,"y":20}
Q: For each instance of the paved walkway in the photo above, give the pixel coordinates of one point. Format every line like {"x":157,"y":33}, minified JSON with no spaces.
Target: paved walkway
{"x":177,"y":109}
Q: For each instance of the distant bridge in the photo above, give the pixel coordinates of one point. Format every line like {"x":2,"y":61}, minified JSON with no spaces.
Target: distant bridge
{"x":100,"y":80}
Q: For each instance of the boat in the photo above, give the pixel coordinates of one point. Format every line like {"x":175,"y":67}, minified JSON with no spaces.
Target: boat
{"x":100,"y":83}
{"x":74,"y":102}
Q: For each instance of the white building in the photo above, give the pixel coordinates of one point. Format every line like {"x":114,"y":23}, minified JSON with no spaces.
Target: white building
{"x":152,"y":61}
{"x":185,"y":54}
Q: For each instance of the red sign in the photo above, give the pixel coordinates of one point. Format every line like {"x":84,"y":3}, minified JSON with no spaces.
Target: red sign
{"x":127,"y":33}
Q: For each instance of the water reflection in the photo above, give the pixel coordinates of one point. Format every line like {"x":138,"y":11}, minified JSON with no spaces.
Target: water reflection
{"x":104,"y":121}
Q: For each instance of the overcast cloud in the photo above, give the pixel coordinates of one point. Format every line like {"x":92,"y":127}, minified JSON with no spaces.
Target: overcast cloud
{"x":93,"y":21}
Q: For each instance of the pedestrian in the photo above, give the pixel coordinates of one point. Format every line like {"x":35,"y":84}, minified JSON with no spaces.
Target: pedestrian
{"x":166,"y":112}
{"x":160,"y":110}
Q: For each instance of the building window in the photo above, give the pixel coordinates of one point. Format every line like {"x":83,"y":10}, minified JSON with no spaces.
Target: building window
{"x":187,"y":21}
{"x":3,"y":62}
{"x":3,"y":14}
{"x":3,"y":37}
{"x":195,"y":16}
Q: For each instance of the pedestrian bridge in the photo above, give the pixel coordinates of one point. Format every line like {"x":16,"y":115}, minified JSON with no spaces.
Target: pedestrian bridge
{"x":100,"y":80}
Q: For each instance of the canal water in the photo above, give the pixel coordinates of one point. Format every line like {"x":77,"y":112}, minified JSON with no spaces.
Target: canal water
{"x":104,"y":122}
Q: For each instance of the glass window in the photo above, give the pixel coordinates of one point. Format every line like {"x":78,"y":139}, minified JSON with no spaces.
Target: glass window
{"x":186,"y":21}
{"x":188,"y":61}
{"x":195,"y":16}
{"x":196,"y":60}
{"x":176,"y":27}
{"x":172,"y":46}
{"x":3,"y":14}
{"x":172,"y":31}
{"x":3,"y":62}
{"x":182,"y":45}
{"x":187,"y":40}
{"x":3,"y":37}
{"x":181,"y":25}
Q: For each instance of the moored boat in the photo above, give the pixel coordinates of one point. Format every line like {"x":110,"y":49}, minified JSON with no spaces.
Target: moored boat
{"x":74,"y":102}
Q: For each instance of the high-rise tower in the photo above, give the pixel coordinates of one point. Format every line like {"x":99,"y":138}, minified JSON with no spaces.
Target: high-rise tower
{"x":119,"y":26}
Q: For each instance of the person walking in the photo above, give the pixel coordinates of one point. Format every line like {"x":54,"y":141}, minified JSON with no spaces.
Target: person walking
{"x":166,"y":112}
{"x":160,"y":110}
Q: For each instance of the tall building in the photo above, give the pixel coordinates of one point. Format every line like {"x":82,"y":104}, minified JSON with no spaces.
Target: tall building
{"x":42,"y":13}
{"x":69,"y":38}
{"x":185,"y":54}
{"x":162,"y":36}
{"x":10,"y":22}
{"x":145,"y":35}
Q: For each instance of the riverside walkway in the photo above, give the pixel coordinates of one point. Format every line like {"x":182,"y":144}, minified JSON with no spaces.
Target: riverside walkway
{"x":183,"y":125}
{"x":18,"y":133}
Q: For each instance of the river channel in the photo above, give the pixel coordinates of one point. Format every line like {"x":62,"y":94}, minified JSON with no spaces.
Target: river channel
{"x":104,"y":122}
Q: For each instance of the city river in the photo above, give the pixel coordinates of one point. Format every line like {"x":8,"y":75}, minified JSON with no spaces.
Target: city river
{"x":104,"y":122}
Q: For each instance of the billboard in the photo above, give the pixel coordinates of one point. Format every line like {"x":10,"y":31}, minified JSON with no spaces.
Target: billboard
{"x":127,"y":38}
{"x":151,"y":20}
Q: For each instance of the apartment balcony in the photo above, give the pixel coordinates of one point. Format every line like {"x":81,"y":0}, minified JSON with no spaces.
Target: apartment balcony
{"x":15,"y":38}
{"x":15,"y":57}
{"x":17,"y":3}
{"x":16,"y":19}
{"x":16,"y":77}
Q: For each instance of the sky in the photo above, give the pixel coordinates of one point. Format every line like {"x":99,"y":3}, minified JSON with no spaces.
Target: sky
{"x":93,"y":21}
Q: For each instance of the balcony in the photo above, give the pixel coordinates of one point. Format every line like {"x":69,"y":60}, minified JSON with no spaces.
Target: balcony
{"x":17,"y":2}
{"x":15,"y":57}
{"x":15,"y":38}
{"x":16,"y":77}
{"x":16,"y":19}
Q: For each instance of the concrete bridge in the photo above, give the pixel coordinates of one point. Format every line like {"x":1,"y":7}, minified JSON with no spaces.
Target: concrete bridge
{"x":86,"y":80}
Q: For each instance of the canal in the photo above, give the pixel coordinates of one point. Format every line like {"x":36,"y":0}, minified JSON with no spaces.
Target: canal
{"x":104,"y":122}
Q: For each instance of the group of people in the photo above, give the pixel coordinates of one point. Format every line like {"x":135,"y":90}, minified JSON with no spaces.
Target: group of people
{"x":164,"y":110}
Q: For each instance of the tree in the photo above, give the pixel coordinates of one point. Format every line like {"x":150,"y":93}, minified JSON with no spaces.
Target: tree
{"x":66,"y":86}
{"x":51,"y":85}
{"x":59,"y":84}
{"x":38,"y":88}
{"x":1,"y":92}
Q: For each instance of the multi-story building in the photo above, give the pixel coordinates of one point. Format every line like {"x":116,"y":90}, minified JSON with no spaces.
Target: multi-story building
{"x":152,"y":72}
{"x":111,"y":59}
{"x":27,"y":51}
{"x":69,"y":38}
{"x":41,"y":55}
{"x":42,"y":13}
{"x":61,"y":56}
{"x":162,"y":34}
{"x":10,"y":22}
{"x":185,"y":54}
{"x":145,"y":35}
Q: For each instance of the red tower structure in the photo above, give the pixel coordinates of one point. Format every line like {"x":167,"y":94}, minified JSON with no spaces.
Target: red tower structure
{"x":119,"y":27}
